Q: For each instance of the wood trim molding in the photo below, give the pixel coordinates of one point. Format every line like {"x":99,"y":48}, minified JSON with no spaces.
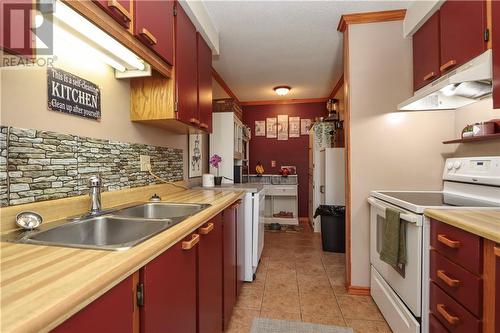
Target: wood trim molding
{"x":96,"y":15}
{"x":370,"y":17}
{"x":337,"y":87}
{"x":359,"y":291}
{"x":489,"y":291}
{"x":223,"y":84}
{"x":489,"y":22}
{"x":286,"y":101}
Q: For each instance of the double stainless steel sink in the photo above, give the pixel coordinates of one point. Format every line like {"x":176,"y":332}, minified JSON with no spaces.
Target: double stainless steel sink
{"x":118,"y":229}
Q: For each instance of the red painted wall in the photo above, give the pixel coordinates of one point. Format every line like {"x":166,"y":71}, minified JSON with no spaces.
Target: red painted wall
{"x":293,"y":151}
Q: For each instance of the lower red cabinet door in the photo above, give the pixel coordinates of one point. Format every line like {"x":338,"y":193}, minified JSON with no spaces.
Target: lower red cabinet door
{"x":169,"y":284}
{"x":210,"y":276}
{"x":229,"y":262}
{"x":113,"y":312}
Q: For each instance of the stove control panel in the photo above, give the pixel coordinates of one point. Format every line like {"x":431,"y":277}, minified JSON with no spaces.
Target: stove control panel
{"x":476,"y":170}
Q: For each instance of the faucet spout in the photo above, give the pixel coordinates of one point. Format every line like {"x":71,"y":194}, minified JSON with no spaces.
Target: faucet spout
{"x":95,"y":185}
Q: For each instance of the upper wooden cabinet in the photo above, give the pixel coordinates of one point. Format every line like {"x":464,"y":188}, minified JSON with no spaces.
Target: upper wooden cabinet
{"x":169,"y":286}
{"x":154,"y":26}
{"x":495,"y":5}
{"x":204,"y":84}
{"x":115,"y":311}
{"x":120,"y":10}
{"x":462,"y":32}
{"x":426,"y":59}
{"x":186,"y":88}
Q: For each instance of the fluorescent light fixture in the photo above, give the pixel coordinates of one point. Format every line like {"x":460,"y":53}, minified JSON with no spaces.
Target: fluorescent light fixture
{"x":449,"y":90}
{"x":282,"y":90}
{"x":77,"y":25}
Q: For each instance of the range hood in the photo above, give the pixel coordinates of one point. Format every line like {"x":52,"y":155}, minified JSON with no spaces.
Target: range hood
{"x":462,"y":86}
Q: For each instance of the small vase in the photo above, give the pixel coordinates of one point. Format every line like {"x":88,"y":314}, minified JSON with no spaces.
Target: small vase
{"x":218,"y":180}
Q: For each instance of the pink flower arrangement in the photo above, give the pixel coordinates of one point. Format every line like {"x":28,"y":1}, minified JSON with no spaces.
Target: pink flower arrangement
{"x":214,"y":161}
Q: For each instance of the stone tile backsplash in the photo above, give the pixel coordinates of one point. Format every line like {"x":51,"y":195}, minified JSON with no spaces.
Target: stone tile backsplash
{"x":41,"y":165}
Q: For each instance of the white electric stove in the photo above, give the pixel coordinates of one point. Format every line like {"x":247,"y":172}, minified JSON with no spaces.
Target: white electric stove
{"x":402,"y":294}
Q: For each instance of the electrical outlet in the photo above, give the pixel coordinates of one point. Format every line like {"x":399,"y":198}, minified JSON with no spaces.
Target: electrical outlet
{"x":145,"y":161}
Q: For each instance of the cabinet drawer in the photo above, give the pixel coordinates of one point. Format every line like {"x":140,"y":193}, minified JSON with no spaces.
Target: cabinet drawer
{"x":451,"y":314}
{"x":435,"y":326}
{"x":457,"y":245}
{"x":463,"y":286}
{"x":281,"y":190}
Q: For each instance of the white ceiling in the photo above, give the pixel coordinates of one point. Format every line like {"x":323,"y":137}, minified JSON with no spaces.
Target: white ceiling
{"x":268,"y":43}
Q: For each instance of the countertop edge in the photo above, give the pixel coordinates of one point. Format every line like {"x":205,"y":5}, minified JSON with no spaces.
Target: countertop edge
{"x":54,"y":316}
{"x":458,"y":222}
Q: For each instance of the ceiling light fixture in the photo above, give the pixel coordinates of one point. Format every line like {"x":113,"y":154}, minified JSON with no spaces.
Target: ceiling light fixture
{"x":282,"y":90}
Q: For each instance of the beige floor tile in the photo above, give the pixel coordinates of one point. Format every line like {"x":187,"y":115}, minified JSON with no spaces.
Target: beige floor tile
{"x":251,"y":296}
{"x":336,"y":275}
{"x":339,"y":290}
{"x":367,"y":326}
{"x":314,"y":285}
{"x":281,"y":301}
{"x":310,"y":269}
{"x":241,"y":320}
{"x":280,"y":266}
{"x":359,"y":307}
{"x":319,"y":303}
{"x":280,"y":315}
{"x":325,"y":319}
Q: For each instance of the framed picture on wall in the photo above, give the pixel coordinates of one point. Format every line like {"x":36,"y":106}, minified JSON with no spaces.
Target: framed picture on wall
{"x":195,"y":155}
{"x":305,"y":125}
{"x":283,"y":127}
{"x":260,"y":128}
{"x":271,"y":129}
{"x":294,"y":124}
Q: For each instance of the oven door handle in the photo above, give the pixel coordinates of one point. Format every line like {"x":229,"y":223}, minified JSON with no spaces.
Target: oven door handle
{"x":403,"y":216}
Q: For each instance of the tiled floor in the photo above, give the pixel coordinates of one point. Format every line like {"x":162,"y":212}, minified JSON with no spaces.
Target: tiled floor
{"x":296,"y":280}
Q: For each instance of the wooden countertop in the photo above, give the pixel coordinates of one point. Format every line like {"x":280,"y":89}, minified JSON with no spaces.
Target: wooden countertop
{"x":42,"y":286}
{"x":482,"y":222}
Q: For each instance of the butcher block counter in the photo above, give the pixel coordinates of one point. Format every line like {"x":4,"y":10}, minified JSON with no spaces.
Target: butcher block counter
{"x":42,"y":286}
{"x":481,"y":222}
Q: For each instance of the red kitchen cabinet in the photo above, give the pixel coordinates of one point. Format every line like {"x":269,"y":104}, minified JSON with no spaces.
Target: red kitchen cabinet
{"x":210,"y":276}
{"x":16,"y":36}
{"x":426,"y":53}
{"x":186,"y":73}
{"x":495,"y":6}
{"x":119,"y":10}
{"x":462,"y":32}
{"x":497,"y":288}
{"x":169,"y":289}
{"x":113,"y":312}
{"x":204,"y":84}
{"x":154,"y":26}
{"x":229,"y":262}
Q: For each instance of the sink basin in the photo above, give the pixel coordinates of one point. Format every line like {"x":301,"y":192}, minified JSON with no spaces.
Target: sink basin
{"x":103,"y":232}
{"x":161,"y":210}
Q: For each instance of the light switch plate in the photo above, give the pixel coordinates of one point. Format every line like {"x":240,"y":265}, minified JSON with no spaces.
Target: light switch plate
{"x":145,"y":161}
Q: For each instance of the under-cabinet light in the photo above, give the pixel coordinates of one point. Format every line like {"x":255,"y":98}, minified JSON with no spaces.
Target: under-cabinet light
{"x":78,"y":25}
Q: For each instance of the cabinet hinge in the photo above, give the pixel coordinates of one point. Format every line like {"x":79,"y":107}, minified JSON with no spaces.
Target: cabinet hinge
{"x":140,"y":294}
{"x":486,"y":35}
{"x":175,"y":10}
{"x":176,"y":106}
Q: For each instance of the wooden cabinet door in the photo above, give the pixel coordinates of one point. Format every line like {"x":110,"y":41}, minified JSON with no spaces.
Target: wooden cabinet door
{"x":16,"y":36}
{"x":210,"y":276}
{"x":495,"y":6}
{"x":113,"y":312}
{"x":169,"y":284}
{"x":229,"y":262}
{"x":154,"y":26}
{"x":204,"y":84}
{"x":186,"y":87}
{"x":462,"y":28}
{"x":496,"y":251}
{"x":119,"y":10}
{"x":426,"y":53}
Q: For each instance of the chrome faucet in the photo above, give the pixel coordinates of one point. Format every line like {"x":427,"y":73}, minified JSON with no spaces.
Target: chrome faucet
{"x":95,"y":185}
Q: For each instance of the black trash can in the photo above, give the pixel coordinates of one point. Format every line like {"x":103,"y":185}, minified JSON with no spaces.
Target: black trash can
{"x":332,"y":227}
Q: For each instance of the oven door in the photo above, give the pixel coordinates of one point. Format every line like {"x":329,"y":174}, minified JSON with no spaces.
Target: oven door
{"x":405,"y":281}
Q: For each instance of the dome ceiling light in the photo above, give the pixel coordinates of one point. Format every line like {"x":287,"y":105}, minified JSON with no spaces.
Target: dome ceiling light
{"x":282,"y":90}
